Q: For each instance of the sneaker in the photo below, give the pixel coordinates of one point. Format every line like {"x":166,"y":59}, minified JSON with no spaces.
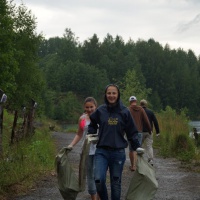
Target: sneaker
{"x":140,"y":151}
{"x":150,"y":162}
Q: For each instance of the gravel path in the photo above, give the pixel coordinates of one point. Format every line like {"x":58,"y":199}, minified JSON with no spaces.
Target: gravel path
{"x":175,"y":183}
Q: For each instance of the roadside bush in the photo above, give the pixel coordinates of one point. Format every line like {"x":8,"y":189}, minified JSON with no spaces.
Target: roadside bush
{"x":24,"y":161}
{"x":183,"y":147}
{"x":164,"y":144}
{"x":174,"y":139}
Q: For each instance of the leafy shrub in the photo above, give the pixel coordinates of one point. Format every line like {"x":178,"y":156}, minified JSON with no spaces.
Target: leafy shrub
{"x":23,"y":161}
{"x":174,"y":139}
{"x":183,"y":147}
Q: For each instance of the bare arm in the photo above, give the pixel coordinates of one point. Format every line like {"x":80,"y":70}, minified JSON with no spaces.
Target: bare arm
{"x":78,"y":135}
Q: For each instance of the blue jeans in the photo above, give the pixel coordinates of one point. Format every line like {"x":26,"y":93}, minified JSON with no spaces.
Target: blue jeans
{"x":90,"y":175}
{"x":114,"y":161}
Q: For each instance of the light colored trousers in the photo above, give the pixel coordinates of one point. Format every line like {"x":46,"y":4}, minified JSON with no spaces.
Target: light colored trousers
{"x":147,"y":142}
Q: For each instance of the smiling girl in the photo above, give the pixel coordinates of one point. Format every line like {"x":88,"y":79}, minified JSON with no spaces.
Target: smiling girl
{"x":113,"y":120}
{"x":90,"y":106}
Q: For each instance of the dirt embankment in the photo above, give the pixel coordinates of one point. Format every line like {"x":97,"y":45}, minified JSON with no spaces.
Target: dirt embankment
{"x":175,"y":182}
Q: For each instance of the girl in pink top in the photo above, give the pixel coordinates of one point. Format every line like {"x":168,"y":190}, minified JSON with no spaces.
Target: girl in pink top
{"x":90,"y":106}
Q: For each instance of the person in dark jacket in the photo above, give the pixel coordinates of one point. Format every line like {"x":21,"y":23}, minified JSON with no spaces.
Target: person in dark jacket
{"x":140,"y":119}
{"x":114,"y":120}
{"x":146,"y":137}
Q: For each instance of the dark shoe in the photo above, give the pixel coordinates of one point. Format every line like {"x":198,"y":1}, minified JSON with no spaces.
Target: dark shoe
{"x":150,"y":162}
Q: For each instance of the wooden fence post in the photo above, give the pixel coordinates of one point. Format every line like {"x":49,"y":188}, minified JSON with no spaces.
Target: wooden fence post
{"x":31,"y":115}
{"x":24,"y":125}
{"x":1,"y":128}
{"x":13,"y":134}
{"x":3,"y":99}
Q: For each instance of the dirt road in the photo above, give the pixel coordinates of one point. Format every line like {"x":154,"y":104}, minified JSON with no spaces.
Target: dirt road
{"x":175,"y":183}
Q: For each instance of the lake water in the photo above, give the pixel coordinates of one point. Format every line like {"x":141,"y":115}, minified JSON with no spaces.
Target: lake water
{"x":195,"y":124}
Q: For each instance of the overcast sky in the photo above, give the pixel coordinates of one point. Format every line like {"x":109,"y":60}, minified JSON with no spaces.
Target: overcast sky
{"x":175,"y":22}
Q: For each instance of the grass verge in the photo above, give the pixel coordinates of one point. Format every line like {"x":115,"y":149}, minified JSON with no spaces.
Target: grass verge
{"x":23,"y":162}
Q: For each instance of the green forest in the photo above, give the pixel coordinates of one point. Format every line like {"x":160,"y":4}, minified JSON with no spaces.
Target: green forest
{"x":60,"y":72}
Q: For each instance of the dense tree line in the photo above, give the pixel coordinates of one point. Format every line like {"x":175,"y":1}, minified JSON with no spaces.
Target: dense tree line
{"x":60,"y":72}
{"x":144,"y":68}
{"x":20,"y":78}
